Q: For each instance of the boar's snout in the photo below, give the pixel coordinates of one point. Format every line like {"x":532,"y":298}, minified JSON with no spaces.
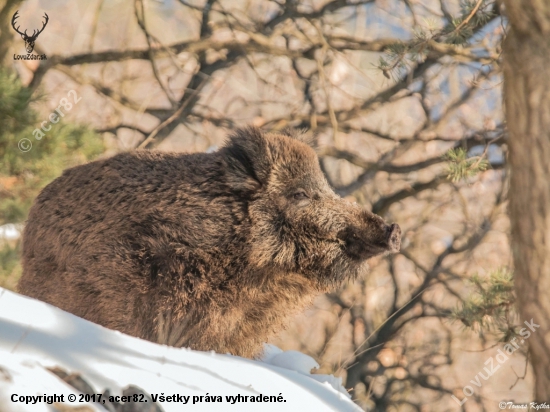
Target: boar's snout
{"x":393,"y":234}
{"x":362,"y":242}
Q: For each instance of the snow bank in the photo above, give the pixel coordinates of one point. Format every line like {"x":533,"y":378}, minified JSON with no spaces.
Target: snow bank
{"x":35,"y":336}
{"x":10,"y":231}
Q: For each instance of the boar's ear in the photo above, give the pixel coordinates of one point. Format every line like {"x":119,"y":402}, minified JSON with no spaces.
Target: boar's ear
{"x":303,"y":135}
{"x":248,"y":157}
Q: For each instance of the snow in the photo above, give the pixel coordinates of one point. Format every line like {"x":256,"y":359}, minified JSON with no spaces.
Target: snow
{"x":294,"y":361}
{"x":26,"y":377}
{"x":10,"y":231}
{"x":35,"y":336}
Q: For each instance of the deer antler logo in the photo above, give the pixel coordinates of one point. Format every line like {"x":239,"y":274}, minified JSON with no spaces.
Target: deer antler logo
{"x":29,"y":40}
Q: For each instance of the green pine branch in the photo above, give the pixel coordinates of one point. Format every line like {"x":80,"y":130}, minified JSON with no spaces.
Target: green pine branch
{"x":491,"y":306}
{"x":474,"y":13}
{"x":460,"y":166}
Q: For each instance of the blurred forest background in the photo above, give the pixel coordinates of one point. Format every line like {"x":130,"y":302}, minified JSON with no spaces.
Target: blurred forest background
{"x":405,"y":100}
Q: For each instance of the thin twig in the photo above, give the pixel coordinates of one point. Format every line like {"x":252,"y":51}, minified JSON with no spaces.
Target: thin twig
{"x":140,"y":17}
{"x":322,"y":78}
{"x":468,"y":18}
{"x":170,"y":119}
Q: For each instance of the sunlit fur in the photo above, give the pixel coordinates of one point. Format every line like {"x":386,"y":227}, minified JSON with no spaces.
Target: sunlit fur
{"x":209,"y":251}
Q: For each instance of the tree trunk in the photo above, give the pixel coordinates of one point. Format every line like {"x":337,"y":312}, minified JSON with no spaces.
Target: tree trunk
{"x":526,"y":65}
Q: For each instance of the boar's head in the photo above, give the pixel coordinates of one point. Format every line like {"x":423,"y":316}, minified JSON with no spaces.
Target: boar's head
{"x":298,"y":223}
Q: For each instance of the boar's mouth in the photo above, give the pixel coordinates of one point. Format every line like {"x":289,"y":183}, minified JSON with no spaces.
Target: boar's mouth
{"x":360,"y":245}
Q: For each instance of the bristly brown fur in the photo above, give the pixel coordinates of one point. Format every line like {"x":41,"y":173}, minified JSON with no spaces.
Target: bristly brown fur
{"x":209,"y":251}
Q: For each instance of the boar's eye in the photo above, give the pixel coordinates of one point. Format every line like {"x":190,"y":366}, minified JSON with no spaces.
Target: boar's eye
{"x":300,"y":195}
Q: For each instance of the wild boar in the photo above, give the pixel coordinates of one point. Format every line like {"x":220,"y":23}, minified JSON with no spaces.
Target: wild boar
{"x":212,"y":251}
